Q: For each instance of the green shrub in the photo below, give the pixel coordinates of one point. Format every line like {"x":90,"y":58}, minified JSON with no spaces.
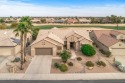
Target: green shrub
{"x":101,"y":63}
{"x":88,"y":50}
{"x":63,"y":68}
{"x":17,"y":59}
{"x":56,"y":65}
{"x":107,"y":53}
{"x":117,"y":63}
{"x":70,"y":64}
{"x":65,"y":55}
{"x":79,"y":58}
{"x":89,"y":64}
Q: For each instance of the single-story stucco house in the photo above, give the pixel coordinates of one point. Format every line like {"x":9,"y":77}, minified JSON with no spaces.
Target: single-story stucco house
{"x":9,"y":44}
{"x":53,"y":41}
{"x":110,"y":40}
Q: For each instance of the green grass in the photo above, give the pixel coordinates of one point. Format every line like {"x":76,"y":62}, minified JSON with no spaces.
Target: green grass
{"x":60,"y":26}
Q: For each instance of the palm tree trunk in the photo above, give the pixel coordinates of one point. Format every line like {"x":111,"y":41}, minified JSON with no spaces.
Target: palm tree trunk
{"x":22,"y":53}
{"x":25,"y":36}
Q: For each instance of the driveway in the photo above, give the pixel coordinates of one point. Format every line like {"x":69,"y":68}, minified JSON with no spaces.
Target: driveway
{"x":40,"y":65}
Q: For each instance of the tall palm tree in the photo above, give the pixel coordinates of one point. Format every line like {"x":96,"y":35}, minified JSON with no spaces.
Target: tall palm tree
{"x":26,"y":19}
{"x":20,"y":31}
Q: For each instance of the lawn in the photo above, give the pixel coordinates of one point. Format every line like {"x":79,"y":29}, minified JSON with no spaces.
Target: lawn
{"x":60,"y":26}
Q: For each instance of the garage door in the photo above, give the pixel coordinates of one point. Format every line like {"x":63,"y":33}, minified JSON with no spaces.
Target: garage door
{"x":118,"y":51}
{"x":43,"y":51}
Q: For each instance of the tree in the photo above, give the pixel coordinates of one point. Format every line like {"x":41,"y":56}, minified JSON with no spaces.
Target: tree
{"x":14,"y":24}
{"x":65,"y":55}
{"x":2,"y":21}
{"x":28,"y":29}
{"x":35,"y":33}
{"x":20,"y":31}
{"x":88,"y":50}
{"x":43,"y":20}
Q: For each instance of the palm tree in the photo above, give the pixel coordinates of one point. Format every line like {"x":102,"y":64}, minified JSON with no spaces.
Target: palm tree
{"x":26,"y":19}
{"x":20,"y":31}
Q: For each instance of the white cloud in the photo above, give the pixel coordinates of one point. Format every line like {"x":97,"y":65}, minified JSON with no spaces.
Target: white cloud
{"x":19,"y":8}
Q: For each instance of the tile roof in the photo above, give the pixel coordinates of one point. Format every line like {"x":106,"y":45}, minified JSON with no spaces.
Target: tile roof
{"x":107,"y":40}
{"x":48,"y":35}
{"x":7,"y":38}
{"x":61,"y":33}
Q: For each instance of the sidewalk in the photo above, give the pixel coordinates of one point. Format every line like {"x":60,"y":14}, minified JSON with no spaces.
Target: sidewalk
{"x":85,"y":76}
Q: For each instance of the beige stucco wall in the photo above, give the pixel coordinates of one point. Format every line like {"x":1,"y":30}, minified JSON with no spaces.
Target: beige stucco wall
{"x":118,"y":49}
{"x":71,"y":39}
{"x":40,"y":45}
{"x":17,"y":49}
{"x":58,"y":44}
{"x":7,"y":51}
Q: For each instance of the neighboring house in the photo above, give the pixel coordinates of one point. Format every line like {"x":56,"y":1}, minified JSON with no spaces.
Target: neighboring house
{"x":9,"y":44}
{"x":59,"y":21}
{"x":53,"y":41}
{"x":72,"y":21}
{"x":37,"y":21}
{"x":110,"y":40}
{"x":84,"y":20}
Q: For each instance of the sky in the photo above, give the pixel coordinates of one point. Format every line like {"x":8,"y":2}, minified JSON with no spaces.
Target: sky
{"x":62,"y":7}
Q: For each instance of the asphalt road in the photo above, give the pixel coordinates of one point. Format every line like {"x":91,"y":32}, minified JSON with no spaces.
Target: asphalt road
{"x":79,"y":81}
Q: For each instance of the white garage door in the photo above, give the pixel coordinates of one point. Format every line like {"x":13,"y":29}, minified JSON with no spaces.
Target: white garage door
{"x":5,"y":51}
{"x":118,"y":51}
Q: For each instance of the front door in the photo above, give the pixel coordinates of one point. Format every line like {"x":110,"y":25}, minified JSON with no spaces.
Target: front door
{"x":72,"y":45}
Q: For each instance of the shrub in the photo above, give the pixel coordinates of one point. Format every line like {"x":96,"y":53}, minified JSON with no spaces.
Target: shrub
{"x":70,"y":64}
{"x":101,"y":63}
{"x":79,"y":58}
{"x":17,"y":59}
{"x":88,"y":50}
{"x":65,"y":55}
{"x":121,"y":68}
{"x":117,"y":63}
{"x":63,"y":68}
{"x":107,"y":53}
{"x":56,"y":65}
{"x":89,"y":64}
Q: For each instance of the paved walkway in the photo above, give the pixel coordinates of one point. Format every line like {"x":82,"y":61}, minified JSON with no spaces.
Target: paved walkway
{"x":40,"y":65}
{"x":73,"y":54}
{"x":85,"y":76}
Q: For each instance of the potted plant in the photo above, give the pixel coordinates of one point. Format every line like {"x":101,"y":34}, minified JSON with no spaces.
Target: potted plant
{"x":90,"y":65}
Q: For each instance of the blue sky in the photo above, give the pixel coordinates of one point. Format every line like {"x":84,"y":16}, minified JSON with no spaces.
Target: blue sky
{"x":62,"y":7}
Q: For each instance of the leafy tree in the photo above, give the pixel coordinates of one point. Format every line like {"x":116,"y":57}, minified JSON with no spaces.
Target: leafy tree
{"x":43,"y":20}
{"x":35,"y":33}
{"x":2,"y":21}
{"x":65,"y":55}
{"x":88,"y":50}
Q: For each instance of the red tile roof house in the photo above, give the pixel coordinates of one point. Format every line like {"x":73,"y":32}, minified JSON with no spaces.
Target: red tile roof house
{"x":72,"y":21}
{"x":110,"y":40}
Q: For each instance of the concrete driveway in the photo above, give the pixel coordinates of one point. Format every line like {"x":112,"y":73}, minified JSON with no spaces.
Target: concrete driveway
{"x":40,"y":65}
